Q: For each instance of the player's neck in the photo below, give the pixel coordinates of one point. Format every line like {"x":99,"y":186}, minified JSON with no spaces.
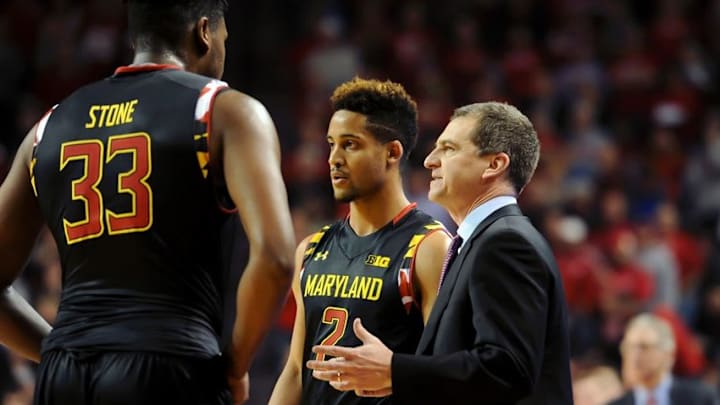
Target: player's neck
{"x":157,"y":57}
{"x":368,"y":214}
{"x":499,"y":189}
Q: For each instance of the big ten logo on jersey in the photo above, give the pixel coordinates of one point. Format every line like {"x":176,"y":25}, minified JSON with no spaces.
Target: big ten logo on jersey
{"x":378,"y":261}
{"x":110,"y":115}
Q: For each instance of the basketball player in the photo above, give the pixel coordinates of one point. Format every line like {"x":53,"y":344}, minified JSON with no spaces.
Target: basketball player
{"x":129,"y":174}
{"x":382,"y":263}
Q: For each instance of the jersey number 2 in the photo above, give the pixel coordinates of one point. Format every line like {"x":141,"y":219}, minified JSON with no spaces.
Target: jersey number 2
{"x":339,"y":318}
{"x":132,"y":182}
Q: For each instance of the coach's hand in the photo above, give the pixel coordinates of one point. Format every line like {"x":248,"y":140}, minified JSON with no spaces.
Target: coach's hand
{"x":240,"y":388}
{"x":364,"y":369}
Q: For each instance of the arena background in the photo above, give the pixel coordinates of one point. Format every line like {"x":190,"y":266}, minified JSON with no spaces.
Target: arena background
{"x":624,"y":95}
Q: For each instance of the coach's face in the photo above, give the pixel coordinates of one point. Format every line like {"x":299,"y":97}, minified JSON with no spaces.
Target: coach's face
{"x":456,"y":165}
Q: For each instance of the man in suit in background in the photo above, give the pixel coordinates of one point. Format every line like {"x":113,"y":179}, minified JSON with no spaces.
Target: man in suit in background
{"x":498,"y":331}
{"x":648,"y":354}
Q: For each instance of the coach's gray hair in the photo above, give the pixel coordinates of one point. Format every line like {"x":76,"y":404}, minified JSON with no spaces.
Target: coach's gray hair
{"x":657,"y":324}
{"x":500,"y":127}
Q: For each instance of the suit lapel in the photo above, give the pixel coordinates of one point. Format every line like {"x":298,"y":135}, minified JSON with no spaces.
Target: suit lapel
{"x":451,"y":278}
{"x":441,"y":302}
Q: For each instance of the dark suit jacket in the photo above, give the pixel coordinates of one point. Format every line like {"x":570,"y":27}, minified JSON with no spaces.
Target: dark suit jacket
{"x":498,"y":333}
{"x":682,"y":392}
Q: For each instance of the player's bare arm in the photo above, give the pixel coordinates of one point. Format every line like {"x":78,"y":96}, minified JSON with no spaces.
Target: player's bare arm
{"x":428,"y":265}
{"x":288,"y":388}
{"x":21,"y":327}
{"x":244,"y":135}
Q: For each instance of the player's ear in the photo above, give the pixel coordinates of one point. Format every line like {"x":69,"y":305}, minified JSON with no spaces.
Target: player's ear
{"x":201,"y":36}
{"x":395,"y":151}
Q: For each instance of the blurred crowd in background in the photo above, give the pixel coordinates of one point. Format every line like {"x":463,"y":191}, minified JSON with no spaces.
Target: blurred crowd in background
{"x":624,"y":96}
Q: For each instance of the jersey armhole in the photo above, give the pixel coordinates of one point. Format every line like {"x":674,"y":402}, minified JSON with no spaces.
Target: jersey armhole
{"x":410,"y":289}
{"x":41,"y":125}
{"x":210,"y":112}
{"x":38,"y":136}
{"x":314,"y":241}
{"x":203,"y":114}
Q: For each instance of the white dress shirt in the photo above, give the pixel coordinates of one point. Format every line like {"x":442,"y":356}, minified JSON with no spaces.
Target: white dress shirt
{"x":479,"y":213}
{"x":661,"y":393}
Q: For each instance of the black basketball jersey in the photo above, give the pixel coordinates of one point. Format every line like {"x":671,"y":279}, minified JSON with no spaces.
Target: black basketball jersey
{"x":120,"y":172}
{"x":346,"y":276}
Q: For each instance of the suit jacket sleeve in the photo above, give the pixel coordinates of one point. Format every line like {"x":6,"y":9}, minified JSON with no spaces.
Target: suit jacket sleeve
{"x":509,"y":296}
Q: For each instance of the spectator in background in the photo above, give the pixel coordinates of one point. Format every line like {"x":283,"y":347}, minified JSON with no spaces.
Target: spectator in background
{"x":581,"y":265}
{"x":708,"y":322}
{"x":689,"y":252}
{"x":612,"y":218}
{"x":656,"y":258}
{"x":626,"y":289}
{"x":632,"y":76}
{"x":413,"y":45}
{"x":648,"y":354}
{"x":587,"y":140}
{"x":701,"y":197}
{"x":464,"y":59}
{"x":332,"y":59}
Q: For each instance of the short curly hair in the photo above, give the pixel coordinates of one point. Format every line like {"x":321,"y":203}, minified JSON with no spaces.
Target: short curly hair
{"x":391,"y":112}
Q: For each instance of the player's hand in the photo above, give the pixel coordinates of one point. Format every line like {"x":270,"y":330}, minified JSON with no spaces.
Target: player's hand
{"x":239,"y":387}
{"x":364,"y":369}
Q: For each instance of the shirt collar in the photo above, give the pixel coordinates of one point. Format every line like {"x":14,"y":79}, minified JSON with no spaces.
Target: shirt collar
{"x":479,"y":213}
{"x":145,"y":67}
{"x":661,"y":392}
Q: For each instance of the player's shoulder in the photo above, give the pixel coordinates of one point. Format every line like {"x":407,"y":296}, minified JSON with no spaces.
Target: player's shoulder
{"x":239,"y":107}
{"x":323,"y":232}
{"x":193,"y":81}
{"x":311,"y":241}
{"x":181,"y":78}
{"x":81,"y":93}
{"x":423,"y":222}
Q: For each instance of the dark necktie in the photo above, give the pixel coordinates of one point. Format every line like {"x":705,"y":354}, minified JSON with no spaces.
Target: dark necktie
{"x":451,"y":255}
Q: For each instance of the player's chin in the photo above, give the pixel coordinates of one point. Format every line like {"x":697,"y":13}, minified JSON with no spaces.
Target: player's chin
{"x":344,"y":196}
